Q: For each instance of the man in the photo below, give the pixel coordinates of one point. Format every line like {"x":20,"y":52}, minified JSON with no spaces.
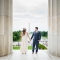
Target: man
{"x":36,"y":38}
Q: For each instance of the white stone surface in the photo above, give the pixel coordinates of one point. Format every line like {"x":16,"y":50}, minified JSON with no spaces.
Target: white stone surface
{"x":5,"y":27}
{"x":42,"y":55}
{"x":54,"y":27}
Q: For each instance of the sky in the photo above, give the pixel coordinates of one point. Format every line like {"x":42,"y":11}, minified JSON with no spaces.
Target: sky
{"x":33,"y":12}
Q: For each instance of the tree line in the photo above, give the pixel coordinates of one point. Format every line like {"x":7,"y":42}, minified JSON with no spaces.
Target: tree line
{"x":17,"y":37}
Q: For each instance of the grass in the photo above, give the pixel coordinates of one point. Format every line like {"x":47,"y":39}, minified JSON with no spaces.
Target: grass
{"x":18,"y":47}
{"x":41,"y":46}
{"x":30,"y":47}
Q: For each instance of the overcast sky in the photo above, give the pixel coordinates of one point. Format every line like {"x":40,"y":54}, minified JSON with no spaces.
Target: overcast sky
{"x":30,"y":11}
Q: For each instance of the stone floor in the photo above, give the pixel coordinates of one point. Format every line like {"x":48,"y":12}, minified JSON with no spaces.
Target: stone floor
{"x":42,"y":55}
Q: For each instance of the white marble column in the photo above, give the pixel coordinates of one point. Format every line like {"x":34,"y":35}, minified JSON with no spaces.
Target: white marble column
{"x":54,"y":27}
{"x":5,"y":27}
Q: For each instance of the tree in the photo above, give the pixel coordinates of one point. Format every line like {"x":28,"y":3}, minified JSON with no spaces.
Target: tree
{"x":44,"y":34}
{"x":16,"y":35}
{"x":14,"y":38}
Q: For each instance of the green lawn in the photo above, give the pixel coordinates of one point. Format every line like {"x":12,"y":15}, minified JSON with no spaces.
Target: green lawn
{"x":18,"y":47}
{"x":30,"y":47}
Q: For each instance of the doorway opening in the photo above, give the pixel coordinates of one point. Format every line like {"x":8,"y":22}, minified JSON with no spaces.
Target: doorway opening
{"x":30,"y":14}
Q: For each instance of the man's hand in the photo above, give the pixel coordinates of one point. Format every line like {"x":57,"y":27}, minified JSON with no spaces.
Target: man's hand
{"x":30,"y":39}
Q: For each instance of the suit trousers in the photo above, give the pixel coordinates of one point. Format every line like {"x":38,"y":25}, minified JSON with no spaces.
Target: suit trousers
{"x":35,"y":43}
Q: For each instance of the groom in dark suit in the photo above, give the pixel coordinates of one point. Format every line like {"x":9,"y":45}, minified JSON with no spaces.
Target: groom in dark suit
{"x":36,"y":38}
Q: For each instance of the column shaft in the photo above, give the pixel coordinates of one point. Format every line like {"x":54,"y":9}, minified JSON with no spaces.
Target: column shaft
{"x":5,"y":27}
{"x":54,"y":27}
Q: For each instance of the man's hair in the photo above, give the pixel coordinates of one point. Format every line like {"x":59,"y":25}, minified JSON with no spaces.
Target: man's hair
{"x":36,"y":28}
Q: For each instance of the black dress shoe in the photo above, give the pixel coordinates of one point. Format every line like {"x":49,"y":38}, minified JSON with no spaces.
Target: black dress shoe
{"x":32,"y":52}
{"x":36,"y":52}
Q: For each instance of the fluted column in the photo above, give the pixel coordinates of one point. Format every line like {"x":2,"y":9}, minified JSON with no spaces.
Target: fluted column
{"x":54,"y":27}
{"x":5,"y":27}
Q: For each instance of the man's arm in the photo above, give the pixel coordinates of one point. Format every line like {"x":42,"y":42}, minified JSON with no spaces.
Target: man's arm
{"x":32,"y":35}
{"x":39,"y":35}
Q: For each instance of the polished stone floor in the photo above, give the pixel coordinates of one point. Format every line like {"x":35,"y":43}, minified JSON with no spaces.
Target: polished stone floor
{"x":42,"y":55}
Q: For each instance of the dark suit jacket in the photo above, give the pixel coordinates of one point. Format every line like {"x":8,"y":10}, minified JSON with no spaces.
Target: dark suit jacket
{"x":36,"y":36}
